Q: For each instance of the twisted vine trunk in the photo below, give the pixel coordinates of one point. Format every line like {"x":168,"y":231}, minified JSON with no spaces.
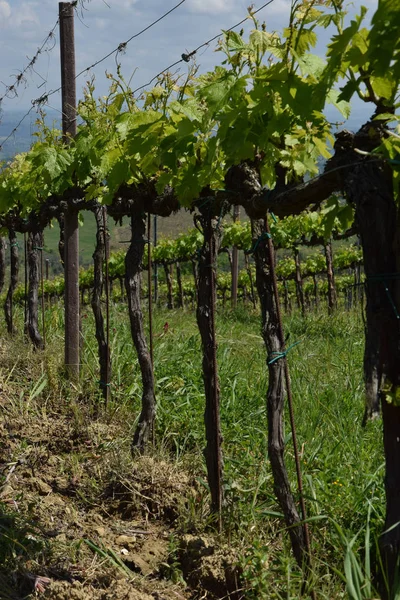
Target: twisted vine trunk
{"x":286,"y":296}
{"x":170,"y":295}
{"x":61,"y":241}
{"x":181,"y":302}
{"x":371,"y":361}
{"x":315,"y":287}
{"x":2,"y":262}
{"x":332,"y":299}
{"x":206,"y":305}
{"x":14,"y":268}
{"x":98,"y":284}
{"x":195,"y":275}
{"x":299,"y":283}
{"x":133,"y":268}
{"x":370,"y":187}
{"x":34,"y":245}
{"x":276,"y":392}
{"x":250,"y":274}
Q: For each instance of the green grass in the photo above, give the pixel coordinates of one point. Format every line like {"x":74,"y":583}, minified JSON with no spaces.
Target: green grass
{"x":342,"y":463}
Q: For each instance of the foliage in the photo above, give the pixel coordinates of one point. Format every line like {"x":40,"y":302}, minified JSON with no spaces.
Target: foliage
{"x":264,"y":102}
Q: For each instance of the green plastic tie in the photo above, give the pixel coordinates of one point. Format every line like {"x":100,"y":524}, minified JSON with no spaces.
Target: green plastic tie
{"x":394,"y":161}
{"x":14,"y":245}
{"x":37,"y":248}
{"x":263,"y":236}
{"x":220,"y":215}
{"x":274,"y":356}
{"x":206,"y":201}
{"x":275,"y":220}
{"x":103,"y":384}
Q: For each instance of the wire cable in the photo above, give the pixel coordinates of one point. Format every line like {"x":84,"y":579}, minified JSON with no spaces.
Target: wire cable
{"x":12,"y":89}
{"x":186,"y":57}
{"x":120,"y":48}
{"x":10,"y":135}
{"x":38,"y":102}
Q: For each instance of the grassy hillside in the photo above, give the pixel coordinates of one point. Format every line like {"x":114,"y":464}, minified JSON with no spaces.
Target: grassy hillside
{"x":100,"y":525}
{"x":120,"y":236}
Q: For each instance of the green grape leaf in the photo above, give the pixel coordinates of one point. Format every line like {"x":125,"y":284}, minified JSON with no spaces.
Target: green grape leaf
{"x":334,"y":97}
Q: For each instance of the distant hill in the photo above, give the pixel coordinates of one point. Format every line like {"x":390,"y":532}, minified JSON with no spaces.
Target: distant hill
{"x":21,"y":140}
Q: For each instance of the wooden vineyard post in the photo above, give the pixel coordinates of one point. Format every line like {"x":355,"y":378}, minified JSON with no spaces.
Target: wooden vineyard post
{"x":150,"y":292}
{"x":235,"y":262}
{"x":206,"y":309}
{"x":155,"y":264}
{"x":2,"y":262}
{"x":150,"y":307}
{"x":25,"y":284}
{"x":332,"y":301}
{"x":299,"y":282}
{"x":107,"y":290}
{"x":42,"y":290}
{"x":14,"y":265}
{"x":71,"y":249}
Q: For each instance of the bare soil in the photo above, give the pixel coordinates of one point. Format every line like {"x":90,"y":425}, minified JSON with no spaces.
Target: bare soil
{"x":79,"y":519}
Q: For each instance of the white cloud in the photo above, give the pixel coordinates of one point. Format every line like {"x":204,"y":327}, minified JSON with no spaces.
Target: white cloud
{"x":125,"y":3}
{"x":25,"y":16}
{"x":5,"y":11}
{"x":110,"y":4}
{"x":210,"y":7}
{"x":101,"y":23}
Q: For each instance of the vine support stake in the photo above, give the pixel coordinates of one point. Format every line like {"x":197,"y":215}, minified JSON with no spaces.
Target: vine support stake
{"x":205,"y":314}
{"x":290,"y":398}
{"x":14,"y":268}
{"x":216,"y":415}
{"x":26,"y":285}
{"x":42,"y":289}
{"x":235,"y":261}
{"x":2,"y":262}
{"x":150,"y":296}
{"x":155,"y":264}
{"x":71,"y":253}
{"x":150,"y":292}
{"x":107,"y":290}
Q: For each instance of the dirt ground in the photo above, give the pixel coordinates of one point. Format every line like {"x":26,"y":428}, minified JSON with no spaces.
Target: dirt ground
{"x":81,"y":520}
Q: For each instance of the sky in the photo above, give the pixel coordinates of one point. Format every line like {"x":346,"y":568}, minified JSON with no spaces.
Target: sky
{"x":101,"y":25}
